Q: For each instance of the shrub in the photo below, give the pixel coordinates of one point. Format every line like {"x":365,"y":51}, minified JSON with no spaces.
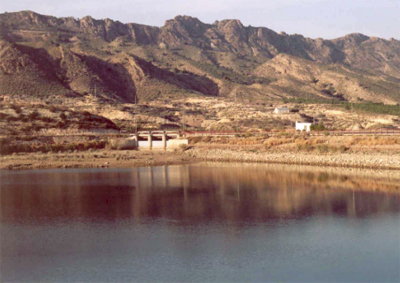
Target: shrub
{"x":207,"y":139}
{"x":304,"y":147}
{"x":322,"y":148}
{"x":276,"y":141}
{"x":318,"y":127}
{"x":37,"y":127}
{"x":34,"y":115}
{"x":17,"y":110}
{"x":183,"y":146}
{"x":194,"y":140}
{"x":314,"y":80}
{"x":120,"y":144}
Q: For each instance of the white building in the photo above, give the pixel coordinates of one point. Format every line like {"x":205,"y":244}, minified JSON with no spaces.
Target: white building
{"x":301,"y":126}
{"x":280,"y":110}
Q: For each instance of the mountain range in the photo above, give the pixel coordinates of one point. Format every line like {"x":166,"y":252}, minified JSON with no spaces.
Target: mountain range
{"x":45,"y":56}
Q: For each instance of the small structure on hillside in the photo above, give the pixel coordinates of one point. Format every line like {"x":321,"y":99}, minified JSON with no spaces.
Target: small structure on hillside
{"x":169,"y":140}
{"x":303,"y":126}
{"x":281,"y":110}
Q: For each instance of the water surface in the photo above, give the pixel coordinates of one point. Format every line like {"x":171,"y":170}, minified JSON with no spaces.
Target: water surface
{"x":199,"y":223}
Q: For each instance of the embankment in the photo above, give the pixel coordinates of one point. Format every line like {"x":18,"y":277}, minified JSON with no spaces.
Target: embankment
{"x":355,"y":160}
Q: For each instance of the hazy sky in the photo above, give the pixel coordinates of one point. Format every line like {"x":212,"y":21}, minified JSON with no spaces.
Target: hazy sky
{"x":311,"y":18}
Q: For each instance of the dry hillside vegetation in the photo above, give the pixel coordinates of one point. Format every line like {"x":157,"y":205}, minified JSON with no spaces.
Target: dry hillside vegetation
{"x":193,"y":75}
{"x":17,"y":119}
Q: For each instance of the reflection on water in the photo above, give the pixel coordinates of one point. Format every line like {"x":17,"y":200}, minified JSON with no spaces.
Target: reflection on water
{"x":195,"y":193}
{"x":174,"y":223}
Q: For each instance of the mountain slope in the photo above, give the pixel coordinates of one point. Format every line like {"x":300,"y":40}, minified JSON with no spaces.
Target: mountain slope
{"x":44,"y":55}
{"x":226,"y":35}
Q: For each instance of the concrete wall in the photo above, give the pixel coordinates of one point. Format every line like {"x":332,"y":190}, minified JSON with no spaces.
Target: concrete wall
{"x":177,"y":143}
{"x":303,"y":126}
{"x":173,"y":143}
{"x":281,"y":110}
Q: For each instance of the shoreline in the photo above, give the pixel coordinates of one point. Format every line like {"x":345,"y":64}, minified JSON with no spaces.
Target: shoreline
{"x":92,"y":159}
{"x":141,"y":158}
{"x":341,"y":160}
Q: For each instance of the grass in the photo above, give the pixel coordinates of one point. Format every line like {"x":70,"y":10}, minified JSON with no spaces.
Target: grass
{"x":302,"y":143}
{"x":8,"y":146}
{"x":374,"y":141}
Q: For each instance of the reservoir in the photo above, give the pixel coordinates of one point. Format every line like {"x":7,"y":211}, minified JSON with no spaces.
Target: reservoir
{"x":206,"y":222}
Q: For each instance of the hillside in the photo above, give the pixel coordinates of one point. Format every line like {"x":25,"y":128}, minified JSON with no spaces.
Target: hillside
{"x":105,"y":66}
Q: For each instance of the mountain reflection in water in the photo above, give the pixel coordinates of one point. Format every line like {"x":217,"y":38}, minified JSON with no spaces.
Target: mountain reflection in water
{"x":195,"y":193}
{"x":200,"y":223}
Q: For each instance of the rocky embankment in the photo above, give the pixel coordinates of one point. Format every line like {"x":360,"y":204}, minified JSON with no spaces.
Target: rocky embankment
{"x":373,"y":160}
{"x":134,"y":158}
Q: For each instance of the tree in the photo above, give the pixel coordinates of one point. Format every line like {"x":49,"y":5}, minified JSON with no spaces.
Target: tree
{"x":318,"y":127}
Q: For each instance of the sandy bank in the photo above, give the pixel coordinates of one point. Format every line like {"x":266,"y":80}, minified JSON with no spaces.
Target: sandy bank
{"x":133,"y":158}
{"x":95,"y":159}
{"x":359,"y":160}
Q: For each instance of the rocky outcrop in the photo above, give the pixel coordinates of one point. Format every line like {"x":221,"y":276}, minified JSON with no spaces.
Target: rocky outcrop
{"x":228,"y":35}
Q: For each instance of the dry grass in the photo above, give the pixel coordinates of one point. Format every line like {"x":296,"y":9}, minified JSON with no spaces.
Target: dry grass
{"x":8,"y":146}
{"x":271,"y":142}
{"x":373,"y":141}
{"x":306,"y":143}
{"x":121,"y":144}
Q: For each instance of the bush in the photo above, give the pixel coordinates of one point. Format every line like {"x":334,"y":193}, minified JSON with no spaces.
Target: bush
{"x":60,"y":125}
{"x":194,"y":140}
{"x":120,"y":144}
{"x":304,"y":147}
{"x":183,"y":146}
{"x":322,"y":148}
{"x":34,"y":115}
{"x":207,"y":139}
{"x":318,"y":127}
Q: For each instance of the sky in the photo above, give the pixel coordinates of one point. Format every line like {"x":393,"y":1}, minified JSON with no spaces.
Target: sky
{"x":327,"y":19}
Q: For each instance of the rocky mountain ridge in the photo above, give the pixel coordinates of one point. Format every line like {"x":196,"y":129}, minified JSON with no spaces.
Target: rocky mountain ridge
{"x":226,"y":35}
{"x":130,"y":62}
